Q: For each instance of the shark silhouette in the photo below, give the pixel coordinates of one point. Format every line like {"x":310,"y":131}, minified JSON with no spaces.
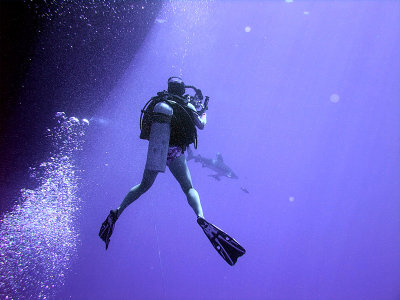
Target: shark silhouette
{"x":217,"y":164}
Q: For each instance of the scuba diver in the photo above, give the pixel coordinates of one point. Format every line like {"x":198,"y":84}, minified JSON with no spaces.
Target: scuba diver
{"x":169,"y":121}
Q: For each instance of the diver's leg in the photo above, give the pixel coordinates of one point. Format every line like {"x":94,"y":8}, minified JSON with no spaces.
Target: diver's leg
{"x":180,"y":170}
{"x":107,"y":227}
{"x":147,"y":181}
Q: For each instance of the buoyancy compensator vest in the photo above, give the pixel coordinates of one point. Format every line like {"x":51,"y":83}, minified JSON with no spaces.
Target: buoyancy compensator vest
{"x":183,"y":128}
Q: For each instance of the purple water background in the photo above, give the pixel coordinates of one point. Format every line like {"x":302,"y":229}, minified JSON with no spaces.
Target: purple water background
{"x":305,"y":109}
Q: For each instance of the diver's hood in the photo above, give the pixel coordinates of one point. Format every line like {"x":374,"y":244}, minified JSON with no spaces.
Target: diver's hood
{"x":176,"y":86}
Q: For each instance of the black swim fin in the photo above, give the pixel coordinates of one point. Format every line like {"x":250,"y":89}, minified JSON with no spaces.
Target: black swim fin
{"x":107,"y":227}
{"x":227,"y":247}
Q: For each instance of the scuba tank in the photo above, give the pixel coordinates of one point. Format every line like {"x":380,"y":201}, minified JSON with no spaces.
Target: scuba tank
{"x":159,"y":137}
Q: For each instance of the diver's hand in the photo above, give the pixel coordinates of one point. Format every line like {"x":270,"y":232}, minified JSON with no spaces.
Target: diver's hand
{"x":203,"y":107}
{"x":196,"y":103}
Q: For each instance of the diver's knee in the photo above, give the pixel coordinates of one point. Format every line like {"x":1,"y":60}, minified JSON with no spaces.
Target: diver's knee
{"x":141,"y":188}
{"x":189,"y":190}
{"x":185,"y":189}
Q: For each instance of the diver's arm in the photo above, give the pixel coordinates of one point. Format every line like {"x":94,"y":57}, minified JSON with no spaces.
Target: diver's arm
{"x":202,"y":120}
{"x":199,"y":120}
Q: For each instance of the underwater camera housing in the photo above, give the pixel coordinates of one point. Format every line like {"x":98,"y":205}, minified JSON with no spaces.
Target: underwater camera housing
{"x":197,"y":99}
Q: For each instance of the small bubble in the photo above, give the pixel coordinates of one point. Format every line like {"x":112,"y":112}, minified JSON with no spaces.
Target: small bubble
{"x":247,"y":29}
{"x":334,"y":98}
{"x":291,"y":199}
{"x":160,"y":21}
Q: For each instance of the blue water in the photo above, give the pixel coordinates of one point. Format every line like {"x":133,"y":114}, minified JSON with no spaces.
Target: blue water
{"x":304,"y":107}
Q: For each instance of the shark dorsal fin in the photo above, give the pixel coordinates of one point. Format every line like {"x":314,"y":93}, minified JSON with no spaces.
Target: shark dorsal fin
{"x":219,"y":157}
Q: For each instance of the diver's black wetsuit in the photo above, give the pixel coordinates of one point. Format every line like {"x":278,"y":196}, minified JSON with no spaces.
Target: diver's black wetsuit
{"x":183,"y":133}
{"x":178,"y":119}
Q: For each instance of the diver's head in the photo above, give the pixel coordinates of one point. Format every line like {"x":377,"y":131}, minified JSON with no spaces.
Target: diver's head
{"x":176,"y":86}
